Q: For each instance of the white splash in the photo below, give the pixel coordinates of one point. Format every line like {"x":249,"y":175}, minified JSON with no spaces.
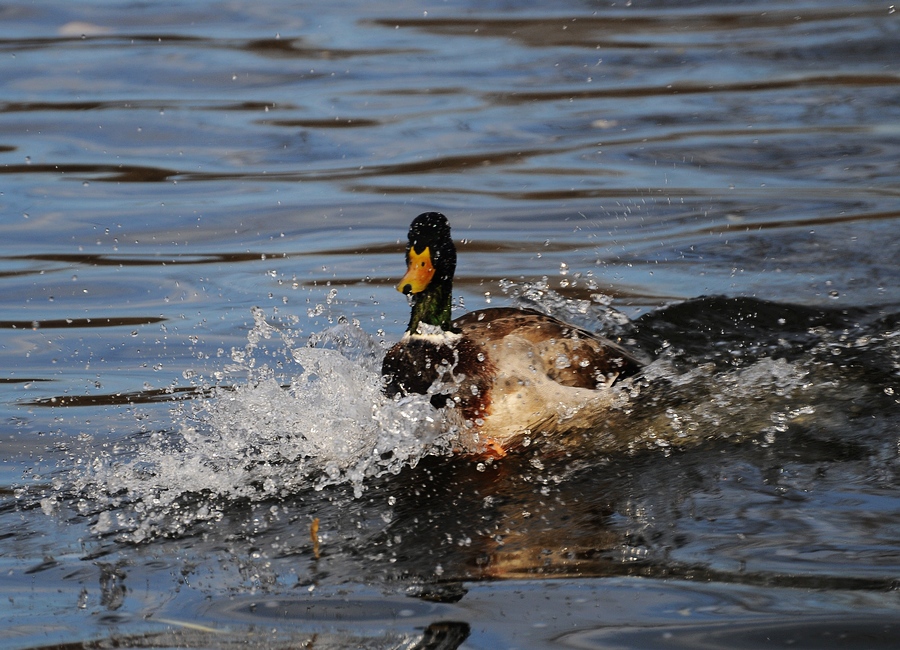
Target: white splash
{"x":312,"y":416}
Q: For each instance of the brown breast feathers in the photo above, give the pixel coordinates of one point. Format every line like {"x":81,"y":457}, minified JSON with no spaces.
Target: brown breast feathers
{"x":414,"y":364}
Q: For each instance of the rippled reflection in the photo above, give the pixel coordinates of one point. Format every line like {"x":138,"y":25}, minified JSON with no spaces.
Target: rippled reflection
{"x":203,"y":209}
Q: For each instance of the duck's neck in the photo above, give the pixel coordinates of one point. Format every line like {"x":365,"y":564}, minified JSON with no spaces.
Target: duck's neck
{"x":432,"y":307}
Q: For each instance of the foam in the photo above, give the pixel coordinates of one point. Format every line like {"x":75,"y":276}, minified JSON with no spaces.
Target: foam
{"x":260,"y":438}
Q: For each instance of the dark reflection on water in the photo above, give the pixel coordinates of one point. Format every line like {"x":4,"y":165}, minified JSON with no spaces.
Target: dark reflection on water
{"x":824,"y":633}
{"x":79,"y":322}
{"x":167,"y":169}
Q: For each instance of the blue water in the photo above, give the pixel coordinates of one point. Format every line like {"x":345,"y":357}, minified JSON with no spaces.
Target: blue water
{"x":202,"y":219}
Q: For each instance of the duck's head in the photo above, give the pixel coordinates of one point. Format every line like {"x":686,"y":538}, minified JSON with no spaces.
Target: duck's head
{"x":430,"y":254}
{"x":430,"y":265}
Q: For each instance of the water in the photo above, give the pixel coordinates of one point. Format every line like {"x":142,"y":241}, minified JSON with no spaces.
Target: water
{"x":203,"y":215}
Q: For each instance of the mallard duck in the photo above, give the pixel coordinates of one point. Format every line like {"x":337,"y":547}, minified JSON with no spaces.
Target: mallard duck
{"x":501,"y":375}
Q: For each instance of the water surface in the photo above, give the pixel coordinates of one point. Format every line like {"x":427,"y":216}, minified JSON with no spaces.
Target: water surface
{"x":204,"y":210}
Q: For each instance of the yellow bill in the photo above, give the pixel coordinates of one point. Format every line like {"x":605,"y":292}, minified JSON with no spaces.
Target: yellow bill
{"x":418,"y":273}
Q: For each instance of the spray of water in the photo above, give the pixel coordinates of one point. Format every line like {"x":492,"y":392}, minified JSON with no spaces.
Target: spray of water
{"x":293,"y":413}
{"x":281,"y":419}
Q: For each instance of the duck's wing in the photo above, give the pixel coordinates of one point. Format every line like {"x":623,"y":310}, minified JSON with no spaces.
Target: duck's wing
{"x":570,"y":355}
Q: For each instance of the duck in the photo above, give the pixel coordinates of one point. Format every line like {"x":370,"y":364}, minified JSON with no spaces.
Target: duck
{"x":501,"y":376}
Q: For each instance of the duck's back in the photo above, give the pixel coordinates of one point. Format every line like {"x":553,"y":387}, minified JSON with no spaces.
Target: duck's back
{"x":570,"y":356}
